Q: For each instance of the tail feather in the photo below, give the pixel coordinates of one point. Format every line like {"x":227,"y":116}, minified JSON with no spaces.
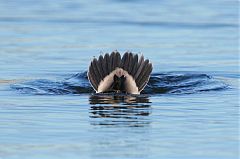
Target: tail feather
{"x":92,"y":76}
{"x":102,"y":65}
{"x":137,"y":68}
{"x":94,"y":83}
{"x":143,"y":69}
{"x":124,"y":61}
{"x":130,"y":63}
{"x":94,"y":73}
{"x":106,"y":61}
{"x":111,"y":66}
{"x":117,"y":60}
{"x":135,"y":65}
{"x":145,"y":77}
{"x":98,"y":72}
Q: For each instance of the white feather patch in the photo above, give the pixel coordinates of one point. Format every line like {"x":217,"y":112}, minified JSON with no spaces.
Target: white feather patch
{"x":130,"y":84}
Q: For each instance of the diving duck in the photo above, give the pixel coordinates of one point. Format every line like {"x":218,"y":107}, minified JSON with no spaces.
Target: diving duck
{"x":113,"y":73}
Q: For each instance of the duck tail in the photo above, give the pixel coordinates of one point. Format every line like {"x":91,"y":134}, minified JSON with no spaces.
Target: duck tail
{"x":135,"y":69}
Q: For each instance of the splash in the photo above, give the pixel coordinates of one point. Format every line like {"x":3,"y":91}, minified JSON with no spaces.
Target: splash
{"x":159,"y":83}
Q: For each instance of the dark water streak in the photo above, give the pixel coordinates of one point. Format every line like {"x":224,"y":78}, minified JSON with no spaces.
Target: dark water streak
{"x":163,"y":24}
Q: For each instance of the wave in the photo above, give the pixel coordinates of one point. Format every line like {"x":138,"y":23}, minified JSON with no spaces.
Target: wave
{"x":159,"y":83}
{"x":163,"y":24}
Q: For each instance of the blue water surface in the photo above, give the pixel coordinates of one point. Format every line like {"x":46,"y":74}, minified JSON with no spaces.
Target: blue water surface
{"x":189,"y":110}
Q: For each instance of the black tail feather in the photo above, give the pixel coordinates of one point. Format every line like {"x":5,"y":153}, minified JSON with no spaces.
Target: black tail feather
{"x":143,"y":68}
{"x":117,"y":60}
{"x":97,"y":69}
{"x":92,"y":76}
{"x":111,"y":63}
{"x":139,"y":67}
{"x":135,"y":65}
{"x":102,"y":65}
{"x":130,"y":63}
{"x":123,"y":60}
{"x":107,"y":60}
{"x":145,"y":77}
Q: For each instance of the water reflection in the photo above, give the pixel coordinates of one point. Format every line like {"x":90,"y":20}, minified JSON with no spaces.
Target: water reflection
{"x":119,"y":110}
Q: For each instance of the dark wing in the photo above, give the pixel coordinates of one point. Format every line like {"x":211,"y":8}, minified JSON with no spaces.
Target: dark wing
{"x":103,"y":66}
{"x":138,"y":68}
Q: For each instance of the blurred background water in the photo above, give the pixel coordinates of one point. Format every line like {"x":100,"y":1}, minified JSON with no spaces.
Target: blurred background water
{"x":190,"y":109}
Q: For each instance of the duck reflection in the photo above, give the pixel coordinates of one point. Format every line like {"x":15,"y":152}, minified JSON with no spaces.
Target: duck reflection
{"x":119,"y":110}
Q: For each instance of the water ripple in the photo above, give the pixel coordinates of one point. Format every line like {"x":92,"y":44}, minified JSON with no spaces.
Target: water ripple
{"x":159,"y":83}
{"x":164,"y":24}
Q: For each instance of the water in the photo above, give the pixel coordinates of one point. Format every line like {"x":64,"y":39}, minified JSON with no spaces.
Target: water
{"x":189,"y":109}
